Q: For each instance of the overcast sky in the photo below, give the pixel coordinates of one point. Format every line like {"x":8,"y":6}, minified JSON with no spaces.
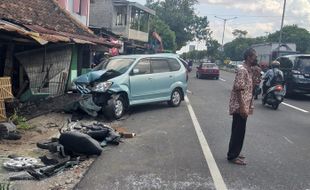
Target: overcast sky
{"x":258,"y":17}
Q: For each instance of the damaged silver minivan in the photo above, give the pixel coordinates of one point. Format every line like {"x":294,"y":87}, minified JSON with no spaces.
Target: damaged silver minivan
{"x":129,"y":80}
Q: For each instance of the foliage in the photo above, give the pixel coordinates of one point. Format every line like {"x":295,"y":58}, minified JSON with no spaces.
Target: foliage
{"x":20,"y":121}
{"x":293,"y":34}
{"x":167,"y":35}
{"x":195,"y":55}
{"x":179,"y":15}
{"x":234,"y":49}
{"x":240,"y":33}
{"x":200,"y":28}
{"x":213,"y":50}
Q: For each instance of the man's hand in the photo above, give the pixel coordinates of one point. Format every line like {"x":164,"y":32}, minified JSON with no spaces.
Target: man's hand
{"x":243,"y":115}
{"x":243,"y":112}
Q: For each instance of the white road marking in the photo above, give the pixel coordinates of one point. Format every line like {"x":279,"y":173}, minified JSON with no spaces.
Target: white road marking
{"x":223,"y":80}
{"x":288,"y":140}
{"x":214,"y":170}
{"x":296,"y":108}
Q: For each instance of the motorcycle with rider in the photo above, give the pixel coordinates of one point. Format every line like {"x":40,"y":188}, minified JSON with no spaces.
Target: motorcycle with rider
{"x":273,"y":86}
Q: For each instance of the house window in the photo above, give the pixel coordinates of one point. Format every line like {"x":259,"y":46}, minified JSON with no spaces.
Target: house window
{"x":77,"y":6}
{"x":139,"y":20}
{"x":121,"y":16}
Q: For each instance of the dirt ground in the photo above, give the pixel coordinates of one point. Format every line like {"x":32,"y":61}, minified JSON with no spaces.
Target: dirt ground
{"x":44,"y":127}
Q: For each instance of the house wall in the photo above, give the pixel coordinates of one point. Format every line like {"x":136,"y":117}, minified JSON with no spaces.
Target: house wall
{"x":78,"y":8}
{"x":101,"y":14}
{"x":47,"y":69}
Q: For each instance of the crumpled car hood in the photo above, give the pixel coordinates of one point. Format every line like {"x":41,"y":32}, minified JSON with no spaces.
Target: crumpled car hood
{"x":96,"y":76}
{"x":90,"y":77}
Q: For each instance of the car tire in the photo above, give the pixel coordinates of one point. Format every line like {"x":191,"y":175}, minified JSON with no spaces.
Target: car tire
{"x":115,"y":108}
{"x":176,"y":98}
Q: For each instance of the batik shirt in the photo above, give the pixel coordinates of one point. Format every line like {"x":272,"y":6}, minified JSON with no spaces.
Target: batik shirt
{"x":244,"y":83}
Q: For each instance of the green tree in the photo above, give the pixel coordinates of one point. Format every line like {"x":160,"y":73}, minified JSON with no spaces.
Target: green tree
{"x":167,"y":35}
{"x":293,"y":34}
{"x":179,"y":15}
{"x":240,"y":33}
{"x":213,"y":49}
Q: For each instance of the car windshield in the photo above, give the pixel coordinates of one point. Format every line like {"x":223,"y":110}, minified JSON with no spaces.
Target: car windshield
{"x":120,"y":65}
{"x":303,"y":64}
{"x":208,"y":65}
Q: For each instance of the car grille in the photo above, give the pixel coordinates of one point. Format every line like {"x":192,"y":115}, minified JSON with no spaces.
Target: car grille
{"x":82,"y":89}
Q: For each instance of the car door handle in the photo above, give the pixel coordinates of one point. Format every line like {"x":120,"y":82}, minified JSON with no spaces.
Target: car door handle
{"x":150,"y":78}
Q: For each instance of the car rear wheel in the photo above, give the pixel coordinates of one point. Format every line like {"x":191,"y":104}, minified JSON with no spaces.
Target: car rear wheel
{"x":176,"y":98}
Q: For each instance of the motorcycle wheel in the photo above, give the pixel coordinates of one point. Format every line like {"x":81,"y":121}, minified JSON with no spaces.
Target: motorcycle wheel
{"x":275,"y":106}
{"x":263,"y":101}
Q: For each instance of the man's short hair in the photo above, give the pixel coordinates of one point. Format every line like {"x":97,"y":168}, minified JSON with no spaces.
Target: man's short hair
{"x":248,"y":52}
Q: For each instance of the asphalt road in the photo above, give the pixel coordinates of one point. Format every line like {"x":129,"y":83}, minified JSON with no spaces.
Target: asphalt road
{"x":166,"y":154}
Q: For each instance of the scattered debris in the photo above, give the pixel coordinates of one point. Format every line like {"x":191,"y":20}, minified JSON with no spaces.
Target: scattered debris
{"x":21,"y":163}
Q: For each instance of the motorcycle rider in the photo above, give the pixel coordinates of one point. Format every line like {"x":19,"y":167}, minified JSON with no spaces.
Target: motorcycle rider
{"x":272,"y":77}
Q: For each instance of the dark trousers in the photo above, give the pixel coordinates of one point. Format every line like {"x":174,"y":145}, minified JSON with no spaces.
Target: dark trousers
{"x":237,"y":136}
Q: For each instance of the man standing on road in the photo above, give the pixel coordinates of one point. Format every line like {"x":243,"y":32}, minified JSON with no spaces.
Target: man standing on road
{"x":241,"y":106}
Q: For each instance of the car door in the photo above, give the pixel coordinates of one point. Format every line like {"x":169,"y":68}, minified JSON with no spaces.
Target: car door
{"x":140,"y":83}
{"x":162,"y":76}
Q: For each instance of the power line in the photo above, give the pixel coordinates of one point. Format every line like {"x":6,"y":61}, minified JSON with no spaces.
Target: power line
{"x":263,"y":16}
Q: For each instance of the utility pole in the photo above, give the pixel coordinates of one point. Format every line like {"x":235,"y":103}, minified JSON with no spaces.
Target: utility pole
{"x":225,"y":20}
{"x":283,"y":14}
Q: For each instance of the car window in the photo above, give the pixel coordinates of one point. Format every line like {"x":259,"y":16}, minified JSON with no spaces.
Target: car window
{"x":144,"y":66}
{"x":159,"y":65}
{"x":208,"y":65}
{"x":174,"y":64}
{"x":303,"y":64}
{"x":120,"y":65}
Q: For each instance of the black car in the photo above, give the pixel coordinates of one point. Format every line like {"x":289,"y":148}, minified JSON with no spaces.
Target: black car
{"x":296,"y":70}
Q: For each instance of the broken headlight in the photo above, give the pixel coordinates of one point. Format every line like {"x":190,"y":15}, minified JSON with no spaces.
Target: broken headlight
{"x":103,"y":86}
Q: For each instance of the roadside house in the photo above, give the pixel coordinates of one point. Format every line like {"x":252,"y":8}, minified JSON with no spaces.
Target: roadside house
{"x":43,"y":47}
{"x":129,"y":20}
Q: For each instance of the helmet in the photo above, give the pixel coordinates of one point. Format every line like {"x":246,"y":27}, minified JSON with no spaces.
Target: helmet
{"x":275,"y":64}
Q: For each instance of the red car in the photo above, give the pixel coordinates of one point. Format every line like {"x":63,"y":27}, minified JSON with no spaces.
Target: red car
{"x":210,"y":70}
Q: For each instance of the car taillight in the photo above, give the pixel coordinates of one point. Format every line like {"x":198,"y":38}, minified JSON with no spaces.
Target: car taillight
{"x":279,"y":88}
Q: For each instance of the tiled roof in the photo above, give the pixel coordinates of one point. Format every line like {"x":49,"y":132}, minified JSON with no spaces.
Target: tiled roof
{"x":46,"y":18}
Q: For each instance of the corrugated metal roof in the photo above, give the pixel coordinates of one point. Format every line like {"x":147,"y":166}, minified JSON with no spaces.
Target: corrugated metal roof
{"x":44,"y":21}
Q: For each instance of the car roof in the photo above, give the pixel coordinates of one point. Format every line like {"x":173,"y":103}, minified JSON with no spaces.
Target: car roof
{"x":296,"y":55}
{"x":138,"y":56}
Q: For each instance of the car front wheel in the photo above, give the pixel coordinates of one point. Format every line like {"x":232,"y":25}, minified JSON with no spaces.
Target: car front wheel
{"x":176,"y":98}
{"x":115,"y":108}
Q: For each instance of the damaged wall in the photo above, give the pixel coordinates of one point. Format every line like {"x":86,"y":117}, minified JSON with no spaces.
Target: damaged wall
{"x":47,"y":69}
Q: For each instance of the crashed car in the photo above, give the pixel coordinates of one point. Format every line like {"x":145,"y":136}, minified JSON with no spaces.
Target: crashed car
{"x":128,"y":80}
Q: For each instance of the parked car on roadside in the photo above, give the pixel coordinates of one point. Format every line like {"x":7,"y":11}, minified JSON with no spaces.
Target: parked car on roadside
{"x":129,"y":80}
{"x":210,"y":70}
{"x":296,"y":70}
